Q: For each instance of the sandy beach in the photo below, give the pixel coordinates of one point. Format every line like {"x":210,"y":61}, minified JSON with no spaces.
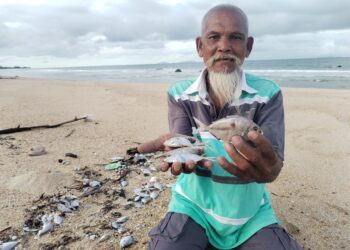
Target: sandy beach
{"x":309,"y":196}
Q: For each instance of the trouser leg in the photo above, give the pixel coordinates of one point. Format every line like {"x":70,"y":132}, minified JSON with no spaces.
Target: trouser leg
{"x":177,"y":231}
{"x":272,"y":237}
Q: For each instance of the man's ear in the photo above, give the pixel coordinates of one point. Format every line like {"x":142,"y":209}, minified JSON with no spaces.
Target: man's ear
{"x":250,"y":42}
{"x":199,"y":46}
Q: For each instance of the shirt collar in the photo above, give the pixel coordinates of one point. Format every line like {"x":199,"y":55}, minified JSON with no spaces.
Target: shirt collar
{"x":200,"y":86}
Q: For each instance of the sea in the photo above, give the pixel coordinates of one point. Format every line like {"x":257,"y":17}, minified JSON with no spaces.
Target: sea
{"x":301,"y":73}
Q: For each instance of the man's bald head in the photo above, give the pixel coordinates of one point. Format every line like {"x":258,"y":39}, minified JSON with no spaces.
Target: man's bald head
{"x":225,"y":8}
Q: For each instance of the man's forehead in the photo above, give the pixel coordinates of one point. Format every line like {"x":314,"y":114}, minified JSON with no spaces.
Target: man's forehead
{"x":233,"y":19}
{"x":223,"y":20}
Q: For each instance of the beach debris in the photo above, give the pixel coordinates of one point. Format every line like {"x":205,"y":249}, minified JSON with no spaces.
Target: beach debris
{"x":86,"y":118}
{"x":127,"y":205}
{"x":8,"y":245}
{"x":132,"y":151}
{"x":71,"y":155}
{"x":32,"y":225}
{"x":117,"y":158}
{"x":63,"y":162}
{"x":225,"y":128}
{"x":158,"y":186}
{"x":93,"y":237}
{"x":139,"y":158}
{"x":70,"y":133}
{"x":95,"y":184}
{"x":122,"y":219}
{"x":38,"y":150}
{"x":103,"y":238}
{"x":47,"y":227}
{"x":57,"y":219}
{"x":124,"y":183}
{"x":113,"y":166}
{"x":153,"y":179}
{"x":62,"y":242}
{"x":146,"y":171}
{"x":126,"y":241}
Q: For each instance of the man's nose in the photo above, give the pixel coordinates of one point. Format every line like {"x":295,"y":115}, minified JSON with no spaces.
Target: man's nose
{"x":224,"y":45}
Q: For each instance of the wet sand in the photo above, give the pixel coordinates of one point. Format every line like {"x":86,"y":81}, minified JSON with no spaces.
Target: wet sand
{"x":309,"y":196}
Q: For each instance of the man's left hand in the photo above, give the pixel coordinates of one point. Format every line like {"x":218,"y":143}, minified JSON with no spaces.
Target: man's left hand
{"x":255,"y":161}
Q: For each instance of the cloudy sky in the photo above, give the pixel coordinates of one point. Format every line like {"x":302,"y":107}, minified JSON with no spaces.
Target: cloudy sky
{"x":50,"y":33}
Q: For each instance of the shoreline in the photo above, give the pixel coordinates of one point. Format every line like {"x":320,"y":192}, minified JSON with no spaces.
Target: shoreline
{"x":310,"y":194}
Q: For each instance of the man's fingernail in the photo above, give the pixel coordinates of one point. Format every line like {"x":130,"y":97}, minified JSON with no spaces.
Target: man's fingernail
{"x":236,"y":139}
{"x":253,"y":135}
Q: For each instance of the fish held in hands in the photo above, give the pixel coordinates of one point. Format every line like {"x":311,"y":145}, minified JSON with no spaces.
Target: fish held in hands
{"x":229,"y":126}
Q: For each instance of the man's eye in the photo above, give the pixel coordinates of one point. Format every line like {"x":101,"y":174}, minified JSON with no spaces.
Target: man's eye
{"x":236,"y":37}
{"x":214,"y":37}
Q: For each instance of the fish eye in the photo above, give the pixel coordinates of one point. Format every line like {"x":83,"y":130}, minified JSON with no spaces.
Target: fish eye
{"x":256,"y":128}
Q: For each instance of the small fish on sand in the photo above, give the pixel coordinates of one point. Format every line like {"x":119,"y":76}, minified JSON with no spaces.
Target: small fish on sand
{"x":38,"y":150}
{"x":229,"y":126}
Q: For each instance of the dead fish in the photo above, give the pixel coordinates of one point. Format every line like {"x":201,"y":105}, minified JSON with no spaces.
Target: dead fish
{"x":126,"y":241}
{"x":197,"y":150}
{"x":36,"y":151}
{"x":179,"y":142}
{"x":47,"y":227}
{"x":104,"y":238}
{"x":154,"y":195}
{"x":57,"y":219}
{"x":122,"y":219}
{"x":8,"y":245}
{"x":225,"y":128}
{"x":183,"y":158}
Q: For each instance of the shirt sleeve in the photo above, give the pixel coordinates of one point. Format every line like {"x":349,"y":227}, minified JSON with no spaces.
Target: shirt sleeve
{"x":270,"y":117}
{"x":179,"y":121}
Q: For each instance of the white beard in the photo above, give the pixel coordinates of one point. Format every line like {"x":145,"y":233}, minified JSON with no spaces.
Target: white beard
{"x":227,"y":86}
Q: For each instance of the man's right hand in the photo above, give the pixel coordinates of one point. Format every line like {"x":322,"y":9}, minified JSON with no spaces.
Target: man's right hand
{"x":176,"y":168}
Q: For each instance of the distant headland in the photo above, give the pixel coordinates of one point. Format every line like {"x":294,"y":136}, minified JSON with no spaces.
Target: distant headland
{"x":14,"y":67}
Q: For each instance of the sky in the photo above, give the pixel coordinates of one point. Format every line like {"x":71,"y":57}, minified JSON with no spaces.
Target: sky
{"x":66,"y":33}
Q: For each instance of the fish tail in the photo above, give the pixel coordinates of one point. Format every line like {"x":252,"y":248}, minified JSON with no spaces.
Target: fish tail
{"x":200,"y":125}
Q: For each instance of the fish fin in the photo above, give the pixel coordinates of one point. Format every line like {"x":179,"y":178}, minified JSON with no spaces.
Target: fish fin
{"x":200,"y":125}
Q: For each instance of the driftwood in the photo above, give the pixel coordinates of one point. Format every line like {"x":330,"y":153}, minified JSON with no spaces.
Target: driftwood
{"x":21,"y":129}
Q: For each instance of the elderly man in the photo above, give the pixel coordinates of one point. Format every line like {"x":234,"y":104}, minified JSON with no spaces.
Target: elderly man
{"x":224,"y":204}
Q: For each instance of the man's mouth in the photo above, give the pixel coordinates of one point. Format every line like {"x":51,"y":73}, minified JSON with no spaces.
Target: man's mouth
{"x":225,"y":59}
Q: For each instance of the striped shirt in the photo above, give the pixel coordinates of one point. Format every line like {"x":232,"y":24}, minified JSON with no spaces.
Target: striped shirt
{"x":229,"y":209}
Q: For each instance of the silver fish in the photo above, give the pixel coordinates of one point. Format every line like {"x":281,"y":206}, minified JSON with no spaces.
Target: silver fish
{"x":225,"y":128}
{"x":126,"y":241}
{"x":47,"y":227}
{"x":197,"y":150}
{"x":183,"y":158}
{"x":180,"y":141}
{"x":8,"y":245}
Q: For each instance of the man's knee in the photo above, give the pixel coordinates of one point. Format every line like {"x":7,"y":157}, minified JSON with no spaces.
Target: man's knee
{"x":177,"y":231}
{"x":272,"y":237}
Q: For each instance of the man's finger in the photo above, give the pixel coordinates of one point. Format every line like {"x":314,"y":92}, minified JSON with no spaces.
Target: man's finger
{"x":229,"y":167}
{"x":206,"y":164}
{"x":239,"y":159}
{"x":261,"y":142}
{"x":164,"y":166}
{"x":189,"y":166}
{"x":247,"y":174}
{"x":176,"y":168}
{"x":154,"y":145}
{"x":243,"y":149}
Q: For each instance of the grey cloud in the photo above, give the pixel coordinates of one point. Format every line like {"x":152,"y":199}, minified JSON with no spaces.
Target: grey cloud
{"x":68,"y":30}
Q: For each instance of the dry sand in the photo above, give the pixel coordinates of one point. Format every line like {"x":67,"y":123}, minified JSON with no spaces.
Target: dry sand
{"x":309,"y":196}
